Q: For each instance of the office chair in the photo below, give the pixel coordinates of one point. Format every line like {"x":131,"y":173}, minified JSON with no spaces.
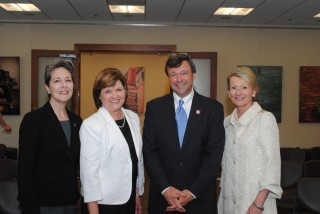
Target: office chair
{"x":8,"y":197}
{"x":293,"y":154}
{"x":315,"y":153}
{"x":8,"y":187}
{"x":291,"y":172}
{"x":312,"y":169}
{"x":2,"y":150}
{"x":308,"y":192}
{"x":8,"y":169}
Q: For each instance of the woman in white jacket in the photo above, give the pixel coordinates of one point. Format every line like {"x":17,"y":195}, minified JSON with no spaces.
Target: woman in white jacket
{"x":250,"y":181}
{"x":111,"y":163}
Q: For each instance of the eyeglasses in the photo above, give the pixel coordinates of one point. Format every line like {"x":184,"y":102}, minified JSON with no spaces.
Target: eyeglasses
{"x":178,"y":55}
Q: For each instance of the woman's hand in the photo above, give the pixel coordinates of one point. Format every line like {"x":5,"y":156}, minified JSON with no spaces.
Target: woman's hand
{"x":253,"y":209}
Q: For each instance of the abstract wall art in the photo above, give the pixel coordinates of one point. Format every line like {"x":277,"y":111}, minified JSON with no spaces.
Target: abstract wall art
{"x":309,"y":99}
{"x":270,"y":88}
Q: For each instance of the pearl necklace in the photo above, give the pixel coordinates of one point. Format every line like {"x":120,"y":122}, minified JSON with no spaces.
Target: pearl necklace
{"x":124,"y":122}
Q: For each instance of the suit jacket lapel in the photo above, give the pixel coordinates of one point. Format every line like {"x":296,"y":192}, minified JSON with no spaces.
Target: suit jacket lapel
{"x":170,"y":116}
{"x":195,"y":111}
{"x":74,"y":127}
{"x":55,"y":127}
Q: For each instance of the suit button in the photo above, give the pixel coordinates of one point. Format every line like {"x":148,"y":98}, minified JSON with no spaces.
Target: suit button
{"x":180,"y":163}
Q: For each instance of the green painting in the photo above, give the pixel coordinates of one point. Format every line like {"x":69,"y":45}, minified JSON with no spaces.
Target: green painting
{"x":270,"y":84}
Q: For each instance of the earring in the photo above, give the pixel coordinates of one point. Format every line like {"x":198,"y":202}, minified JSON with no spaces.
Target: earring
{"x":254,"y":95}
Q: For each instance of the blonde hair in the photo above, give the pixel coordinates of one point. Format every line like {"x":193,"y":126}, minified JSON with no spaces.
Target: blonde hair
{"x":247,"y":74}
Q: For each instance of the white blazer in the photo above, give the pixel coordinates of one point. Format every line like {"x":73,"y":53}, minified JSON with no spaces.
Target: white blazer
{"x":105,"y":161}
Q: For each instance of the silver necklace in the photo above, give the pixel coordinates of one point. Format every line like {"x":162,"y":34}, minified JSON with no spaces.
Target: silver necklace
{"x":124,"y":122}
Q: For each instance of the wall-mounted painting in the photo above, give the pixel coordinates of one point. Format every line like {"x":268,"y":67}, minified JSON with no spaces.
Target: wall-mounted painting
{"x":135,"y":81}
{"x":309,"y":103}
{"x":10,"y":85}
{"x":270,"y":88}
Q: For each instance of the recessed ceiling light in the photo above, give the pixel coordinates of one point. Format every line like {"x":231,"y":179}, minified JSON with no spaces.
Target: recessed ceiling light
{"x":28,"y":7}
{"x":11,"y":7}
{"x":233,"y":11}
{"x":19,"y":7}
{"x":126,"y":9}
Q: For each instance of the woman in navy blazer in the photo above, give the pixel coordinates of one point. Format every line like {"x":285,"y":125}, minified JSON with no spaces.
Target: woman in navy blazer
{"x":49,"y":149}
{"x":111,"y":162}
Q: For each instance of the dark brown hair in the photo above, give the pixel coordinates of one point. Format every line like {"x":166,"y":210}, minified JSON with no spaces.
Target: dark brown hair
{"x":107,"y":78}
{"x":175,"y":60}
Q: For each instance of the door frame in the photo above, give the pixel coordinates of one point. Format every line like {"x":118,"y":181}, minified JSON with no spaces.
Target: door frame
{"x":36,"y":54}
{"x":133,"y":48}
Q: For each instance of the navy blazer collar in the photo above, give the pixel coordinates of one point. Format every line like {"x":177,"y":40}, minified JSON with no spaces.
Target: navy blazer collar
{"x":55,"y":127}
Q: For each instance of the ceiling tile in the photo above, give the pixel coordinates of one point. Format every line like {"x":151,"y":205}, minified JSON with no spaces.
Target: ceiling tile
{"x":267,"y":13}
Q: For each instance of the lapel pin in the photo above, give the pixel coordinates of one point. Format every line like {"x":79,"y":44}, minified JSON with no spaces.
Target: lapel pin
{"x":198,"y":112}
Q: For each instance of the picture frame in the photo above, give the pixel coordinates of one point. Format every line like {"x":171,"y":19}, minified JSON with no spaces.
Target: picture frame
{"x":309,"y":94}
{"x":10,"y":85}
{"x":269,"y":80}
{"x":135,"y":82}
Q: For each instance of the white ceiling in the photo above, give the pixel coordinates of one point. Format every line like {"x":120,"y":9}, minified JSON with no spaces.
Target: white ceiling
{"x":267,"y":13}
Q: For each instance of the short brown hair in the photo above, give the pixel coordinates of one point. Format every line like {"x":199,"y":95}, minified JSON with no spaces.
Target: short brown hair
{"x":107,"y":78}
{"x":60,"y":64}
{"x":175,"y":60}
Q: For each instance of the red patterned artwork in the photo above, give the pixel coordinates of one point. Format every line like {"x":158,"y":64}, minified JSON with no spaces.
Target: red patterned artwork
{"x":309,"y":104}
{"x":135,"y":81}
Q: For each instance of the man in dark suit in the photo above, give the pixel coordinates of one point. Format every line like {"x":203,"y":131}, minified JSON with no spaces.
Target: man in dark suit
{"x":183,"y":174}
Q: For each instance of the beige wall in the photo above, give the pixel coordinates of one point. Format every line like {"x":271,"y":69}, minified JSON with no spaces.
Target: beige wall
{"x":156,"y":83}
{"x":289,"y":48}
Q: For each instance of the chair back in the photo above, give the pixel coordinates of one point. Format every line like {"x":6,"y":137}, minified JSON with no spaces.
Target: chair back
{"x":293,"y":154}
{"x":2,"y":150}
{"x":8,"y":187}
{"x":291,"y":172}
{"x":8,"y":169}
{"x":312,"y":169}
{"x":308,"y":192}
{"x":315,"y":153}
{"x":8,"y":197}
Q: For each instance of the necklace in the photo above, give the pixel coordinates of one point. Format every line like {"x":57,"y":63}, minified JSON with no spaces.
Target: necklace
{"x":124,"y":122}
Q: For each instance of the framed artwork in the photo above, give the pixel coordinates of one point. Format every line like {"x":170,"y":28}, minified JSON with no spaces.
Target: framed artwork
{"x":135,"y":82}
{"x":309,"y":99}
{"x":10,"y":85}
{"x":270,"y":88}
